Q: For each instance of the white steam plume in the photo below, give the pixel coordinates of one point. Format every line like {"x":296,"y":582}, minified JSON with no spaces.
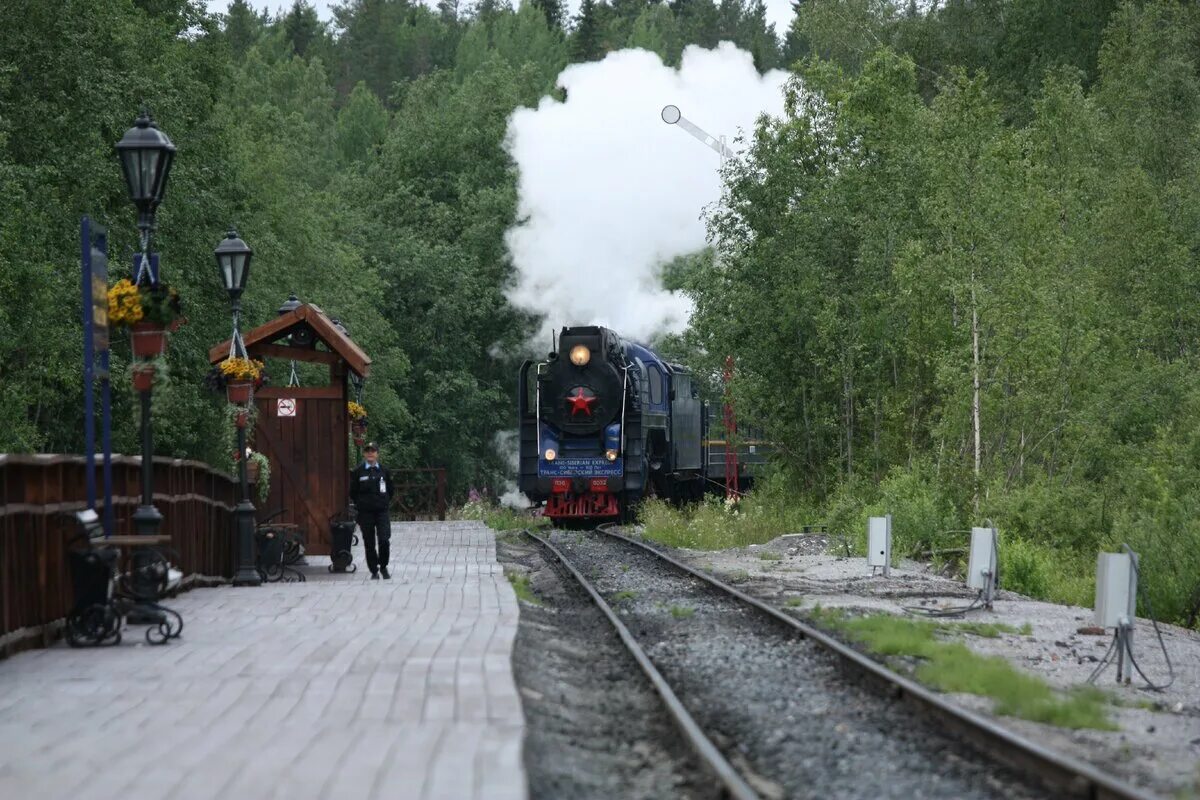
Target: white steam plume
{"x":609,"y":192}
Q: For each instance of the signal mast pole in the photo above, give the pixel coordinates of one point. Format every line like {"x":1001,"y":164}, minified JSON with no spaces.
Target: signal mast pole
{"x":731,"y":462}
{"x":672,"y":116}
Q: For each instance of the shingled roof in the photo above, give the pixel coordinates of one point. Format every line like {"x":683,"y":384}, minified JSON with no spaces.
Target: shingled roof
{"x":283,"y":325}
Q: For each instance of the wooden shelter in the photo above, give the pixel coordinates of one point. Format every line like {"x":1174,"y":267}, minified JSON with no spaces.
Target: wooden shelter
{"x":304,"y":430}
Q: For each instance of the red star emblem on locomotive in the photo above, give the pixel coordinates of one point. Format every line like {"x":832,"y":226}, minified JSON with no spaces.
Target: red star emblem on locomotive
{"x":580,"y":402}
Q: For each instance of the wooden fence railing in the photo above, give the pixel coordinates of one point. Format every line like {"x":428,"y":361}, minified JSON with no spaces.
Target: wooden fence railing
{"x":419,"y":493}
{"x":40,"y":494}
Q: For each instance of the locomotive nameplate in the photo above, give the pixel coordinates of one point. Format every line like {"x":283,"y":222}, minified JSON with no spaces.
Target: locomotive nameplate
{"x":581,"y":468}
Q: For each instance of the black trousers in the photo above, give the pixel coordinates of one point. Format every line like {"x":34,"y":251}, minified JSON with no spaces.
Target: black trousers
{"x":373,"y":524}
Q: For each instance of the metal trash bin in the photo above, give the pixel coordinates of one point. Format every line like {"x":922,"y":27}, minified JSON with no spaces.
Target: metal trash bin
{"x":341,"y":558}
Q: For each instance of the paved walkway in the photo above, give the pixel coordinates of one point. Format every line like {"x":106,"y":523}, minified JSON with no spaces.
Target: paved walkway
{"x":335,"y":688}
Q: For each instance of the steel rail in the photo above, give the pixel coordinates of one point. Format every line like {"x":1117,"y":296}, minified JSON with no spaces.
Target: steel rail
{"x":701,"y":744}
{"x":1061,"y":771}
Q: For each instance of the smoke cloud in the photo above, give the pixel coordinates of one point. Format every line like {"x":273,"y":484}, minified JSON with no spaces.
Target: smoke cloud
{"x":608,"y":192}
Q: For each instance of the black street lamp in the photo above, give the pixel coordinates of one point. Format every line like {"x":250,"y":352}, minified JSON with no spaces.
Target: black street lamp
{"x":233,"y":263}
{"x":146,"y":157}
{"x":146,"y":154}
{"x":303,"y":335}
{"x":289,"y":305}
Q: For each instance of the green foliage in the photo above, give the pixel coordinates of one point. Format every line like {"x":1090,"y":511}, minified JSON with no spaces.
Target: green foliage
{"x":666,"y":29}
{"x":715,"y":524}
{"x":997,"y":195}
{"x":509,"y":519}
{"x":362,"y":126}
{"x":953,"y":667}
{"x":522,"y":589}
{"x":498,"y":518}
{"x":682,"y":612}
{"x":923,"y":517}
{"x":367,"y":169}
{"x":585,"y":41}
{"x":264,"y":474}
{"x":985,"y":630}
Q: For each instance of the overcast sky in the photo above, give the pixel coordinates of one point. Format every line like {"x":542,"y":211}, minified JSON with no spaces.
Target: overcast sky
{"x":778,"y":11}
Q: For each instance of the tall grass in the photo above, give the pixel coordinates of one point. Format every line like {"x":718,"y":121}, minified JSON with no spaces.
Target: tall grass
{"x":496,"y":517}
{"x":1038,"y":556}
{"x":714,"y":524}
{"x":951,"y":666}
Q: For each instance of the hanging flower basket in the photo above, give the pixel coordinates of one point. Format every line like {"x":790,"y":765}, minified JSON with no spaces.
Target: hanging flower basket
{"x":239,"y":391}
{"x":358,"y":423}
{"x":149,"y":339}
{"x":148,"y":311}
{"x":241,"y":376}
{"x":143,"y":378}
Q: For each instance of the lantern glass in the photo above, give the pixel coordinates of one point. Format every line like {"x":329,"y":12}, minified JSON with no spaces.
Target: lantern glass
{"x":233,"y":260}
{"x":146,"y":156}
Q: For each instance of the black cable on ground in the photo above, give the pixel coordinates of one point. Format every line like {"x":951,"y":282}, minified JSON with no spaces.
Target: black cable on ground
{"x":956,"y":611}
{"x":1149,"y":613}
{"x":979,"y":601}
{"x":1104,"y":661}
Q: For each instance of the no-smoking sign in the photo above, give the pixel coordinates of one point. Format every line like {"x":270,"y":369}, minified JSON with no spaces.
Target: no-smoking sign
{"x":285,"y":407}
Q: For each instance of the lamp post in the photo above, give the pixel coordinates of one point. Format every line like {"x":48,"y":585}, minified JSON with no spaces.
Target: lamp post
{"x":146,"y":155}
{"x":233,"y":263}
{"x":358,"y":429}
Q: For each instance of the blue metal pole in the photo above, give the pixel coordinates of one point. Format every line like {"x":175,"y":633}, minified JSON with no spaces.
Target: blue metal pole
{"x":89,"y":401}
{"x":106,"y":442}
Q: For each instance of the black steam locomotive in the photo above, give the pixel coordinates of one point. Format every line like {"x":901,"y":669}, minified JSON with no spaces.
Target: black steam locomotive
{"x":605,"y":422}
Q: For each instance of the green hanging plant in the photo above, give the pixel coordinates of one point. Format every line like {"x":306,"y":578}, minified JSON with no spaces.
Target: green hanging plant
{"x":264,"y":473}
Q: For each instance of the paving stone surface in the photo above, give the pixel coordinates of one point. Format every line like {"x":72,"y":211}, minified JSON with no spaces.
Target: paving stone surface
{"x":339,"y":687}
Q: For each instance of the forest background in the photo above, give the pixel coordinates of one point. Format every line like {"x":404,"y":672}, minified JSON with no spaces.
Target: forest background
{"x":958,"y":276}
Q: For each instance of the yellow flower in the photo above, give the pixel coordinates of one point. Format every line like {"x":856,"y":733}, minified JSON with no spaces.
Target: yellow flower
{"x":124,"y":304}
{"x":241,"y":369}
{"x":356,"y":410}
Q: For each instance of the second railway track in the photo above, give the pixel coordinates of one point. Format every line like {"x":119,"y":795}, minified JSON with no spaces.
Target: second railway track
{"x":779,"y":709}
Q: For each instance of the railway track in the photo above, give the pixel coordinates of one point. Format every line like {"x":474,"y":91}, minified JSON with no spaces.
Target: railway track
{"x":834,"y":713}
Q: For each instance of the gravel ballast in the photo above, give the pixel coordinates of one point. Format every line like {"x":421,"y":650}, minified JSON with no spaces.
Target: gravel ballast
{"x":595,"y":728}
{"x":779,"y":706}
{"x":1157,"y":746}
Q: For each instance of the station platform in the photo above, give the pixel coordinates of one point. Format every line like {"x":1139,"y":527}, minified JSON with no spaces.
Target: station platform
{"x":339,"y":687}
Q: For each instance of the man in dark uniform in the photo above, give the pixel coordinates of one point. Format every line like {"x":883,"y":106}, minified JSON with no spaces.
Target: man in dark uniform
{"x":371,"y":492}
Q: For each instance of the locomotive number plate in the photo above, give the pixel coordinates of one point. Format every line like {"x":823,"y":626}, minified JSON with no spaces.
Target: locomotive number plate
{"x":581,"y":467}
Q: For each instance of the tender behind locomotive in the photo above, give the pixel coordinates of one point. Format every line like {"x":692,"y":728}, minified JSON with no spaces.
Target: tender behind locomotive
{"x":605,"y":422}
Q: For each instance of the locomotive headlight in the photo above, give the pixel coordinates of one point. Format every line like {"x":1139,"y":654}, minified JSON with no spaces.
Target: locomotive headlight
{"x":580,"y":355}
{"x":551,"y":454}
{"x":611,"y":455}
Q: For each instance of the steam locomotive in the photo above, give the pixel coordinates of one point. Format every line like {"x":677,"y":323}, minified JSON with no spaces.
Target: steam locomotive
{"x":605,"y":422}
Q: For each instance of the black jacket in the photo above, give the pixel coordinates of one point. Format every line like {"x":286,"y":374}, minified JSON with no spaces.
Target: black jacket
{"x":365,"y":484}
